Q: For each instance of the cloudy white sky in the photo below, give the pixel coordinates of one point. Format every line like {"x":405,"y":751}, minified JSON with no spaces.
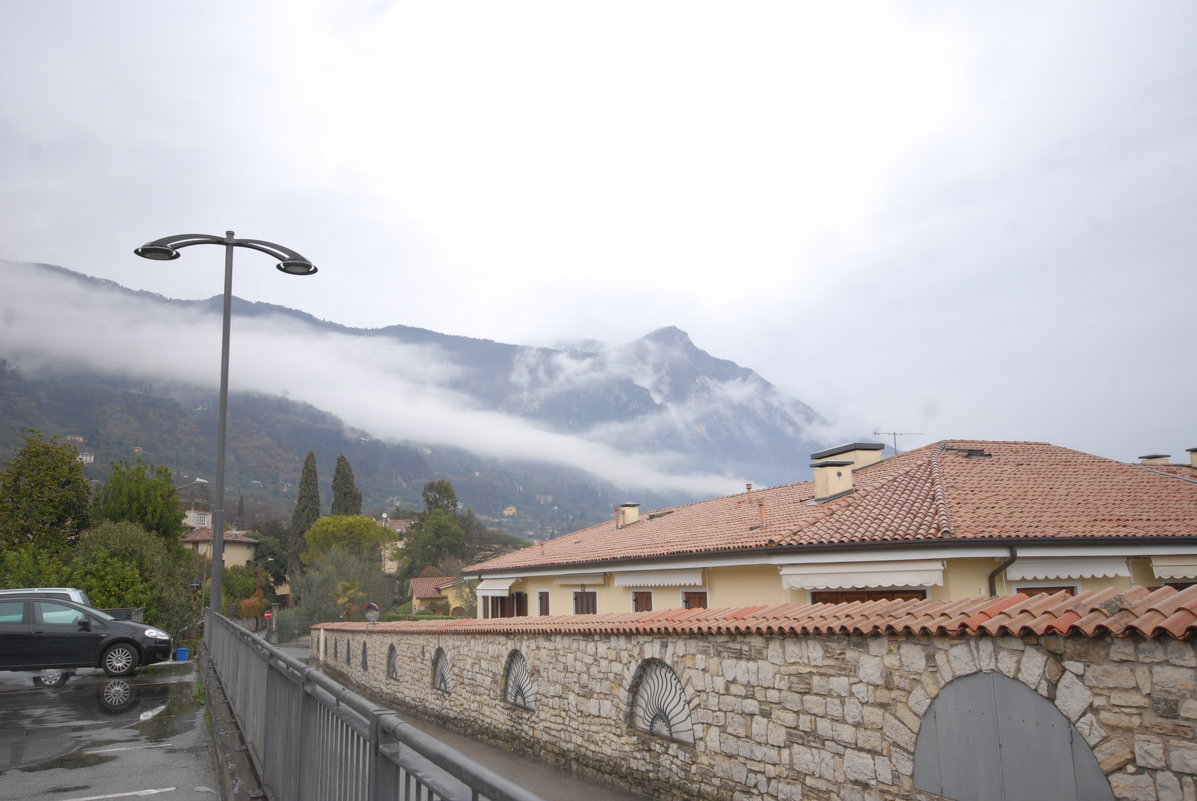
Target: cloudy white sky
{"x":968,"y":220}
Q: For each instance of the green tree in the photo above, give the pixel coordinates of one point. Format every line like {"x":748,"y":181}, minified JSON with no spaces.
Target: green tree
{"x":317,"y":589}
{"x":161,"y":569}
{"x":239,"y":522}
{"x":440,"y":495}
{"x":43,"y":495}
{"x":434,"y":540}
{"x":240,"y":582}
{"x":357,"y":534}
{"x":30,"y":566}
{"x":307,"y":512}
{"x":144,"y":494}
{"x":270,"y":555}
{"x":347,"y":498}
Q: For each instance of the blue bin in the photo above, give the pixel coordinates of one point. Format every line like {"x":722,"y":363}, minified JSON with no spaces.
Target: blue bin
{"x":181,"y":654}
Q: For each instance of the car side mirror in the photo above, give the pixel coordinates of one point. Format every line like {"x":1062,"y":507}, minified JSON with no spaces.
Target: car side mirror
{"x":84,"y":624}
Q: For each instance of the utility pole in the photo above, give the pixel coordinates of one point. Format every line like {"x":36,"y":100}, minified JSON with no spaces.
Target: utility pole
{"x":895,"y":435}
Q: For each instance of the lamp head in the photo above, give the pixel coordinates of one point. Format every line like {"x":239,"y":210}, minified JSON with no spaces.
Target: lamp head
{"x":157,"y":252}
{"x":297,"y":267}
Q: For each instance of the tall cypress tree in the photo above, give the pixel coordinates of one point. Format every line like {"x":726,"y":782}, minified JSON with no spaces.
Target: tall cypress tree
{"x":307,"y":511}
{"x":347,"y":498}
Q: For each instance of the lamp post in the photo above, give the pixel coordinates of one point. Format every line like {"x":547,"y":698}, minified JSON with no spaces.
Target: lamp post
{"x":290,"y":262}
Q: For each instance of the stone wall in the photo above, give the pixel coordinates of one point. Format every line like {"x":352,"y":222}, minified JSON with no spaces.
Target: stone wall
{"x":780,"y":716}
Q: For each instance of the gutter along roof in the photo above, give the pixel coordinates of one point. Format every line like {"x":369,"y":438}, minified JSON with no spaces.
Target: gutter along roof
{"x":951,"y":492}
{"x":1165,"y":612}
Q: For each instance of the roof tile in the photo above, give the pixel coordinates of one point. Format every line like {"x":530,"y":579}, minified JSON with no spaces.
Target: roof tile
{"x":1090,"y":614}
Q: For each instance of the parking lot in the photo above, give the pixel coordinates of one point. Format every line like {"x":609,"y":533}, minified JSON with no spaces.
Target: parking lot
{"x":92,"y":737}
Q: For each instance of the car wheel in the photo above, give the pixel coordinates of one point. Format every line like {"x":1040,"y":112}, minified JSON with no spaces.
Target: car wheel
{"x":52,"y":678}
{"x":117,"y":695}
{"x":119,"y":659}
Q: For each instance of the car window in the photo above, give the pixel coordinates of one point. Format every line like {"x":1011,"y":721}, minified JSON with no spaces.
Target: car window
{"x":11,"y":611}
{"x":50,"y":612}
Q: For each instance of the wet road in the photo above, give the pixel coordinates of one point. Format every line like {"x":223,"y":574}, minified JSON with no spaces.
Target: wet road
{"x":99,"y":738}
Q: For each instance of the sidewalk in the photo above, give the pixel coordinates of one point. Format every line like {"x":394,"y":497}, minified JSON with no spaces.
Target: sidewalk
{"x":545,"y":780}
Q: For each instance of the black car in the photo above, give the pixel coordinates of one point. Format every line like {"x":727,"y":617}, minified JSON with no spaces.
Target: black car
{"x":38,"y":633}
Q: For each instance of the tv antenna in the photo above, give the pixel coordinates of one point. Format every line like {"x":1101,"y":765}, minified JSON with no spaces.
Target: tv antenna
{"x":895,"y":435}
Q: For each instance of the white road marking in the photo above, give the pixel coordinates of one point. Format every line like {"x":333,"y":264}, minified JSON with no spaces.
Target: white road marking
{"x":134,"y":794}
{"x":128,"y":748}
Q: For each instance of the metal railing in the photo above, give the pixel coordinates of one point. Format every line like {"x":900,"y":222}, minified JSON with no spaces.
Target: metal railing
{"x":311,"y":738}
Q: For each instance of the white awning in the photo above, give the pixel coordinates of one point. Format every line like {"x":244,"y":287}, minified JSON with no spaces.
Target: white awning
{"x":1067,"y":568}
{"x":860,"y":575}
{"x":589,"y":579}
{"x":1175,"y":567}
{"x":490,"y":587}
{"x":659,"y":578}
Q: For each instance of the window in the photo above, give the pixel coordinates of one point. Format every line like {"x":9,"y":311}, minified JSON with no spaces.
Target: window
{"x":520,"y":602}
{"x":694,"y":600}
{"x":848,"y":596}
{"x":543,"y":599}
{"x":642,"y":601}
{"x":55,"y":614}
{"x":585,"y":602}
{"x":12,"y":611}
{"x":513,"y":605}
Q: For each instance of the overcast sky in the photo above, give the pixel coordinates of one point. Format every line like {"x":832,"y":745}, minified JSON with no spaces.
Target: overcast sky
{"x":969,"y":220}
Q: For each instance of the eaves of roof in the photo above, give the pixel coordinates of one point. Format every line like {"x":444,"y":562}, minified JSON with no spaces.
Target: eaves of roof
{"x":1165,"y":612}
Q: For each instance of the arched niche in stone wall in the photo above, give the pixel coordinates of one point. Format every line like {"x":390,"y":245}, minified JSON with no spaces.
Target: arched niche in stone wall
{"x":987,"y":737}
{"x":518,"y":689}
{"x":440,"y":670}
{"x":659,"y":703}
{"x":392,"y":662}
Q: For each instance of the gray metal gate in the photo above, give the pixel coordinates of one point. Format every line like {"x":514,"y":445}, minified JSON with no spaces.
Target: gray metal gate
{"x":311,"y":738}
{"x":987,"y":737}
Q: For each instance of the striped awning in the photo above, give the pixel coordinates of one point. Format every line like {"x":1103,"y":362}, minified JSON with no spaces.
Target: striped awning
{"x":659,"y":578}
{"x":1175,"y":567}
{"x":493,"y":586}
{"x":588,"y":579}
{"x":1067,"y":568}
{"x":862,"y":575}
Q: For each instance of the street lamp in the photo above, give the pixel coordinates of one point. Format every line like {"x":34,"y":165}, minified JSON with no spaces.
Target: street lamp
{"x":166,"y":249}
{"x":192,"y":484}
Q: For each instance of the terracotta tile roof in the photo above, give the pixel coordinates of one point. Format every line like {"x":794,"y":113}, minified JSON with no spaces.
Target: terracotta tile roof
{"x":1165,"y":612}
{"x":1172,"y":469}
{"x":428,"y":587}
{"x":205,"y":535}
{"x":949,"y":491}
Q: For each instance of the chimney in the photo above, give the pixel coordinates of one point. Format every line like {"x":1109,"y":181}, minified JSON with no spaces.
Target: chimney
{"x":749,"y":488}
{"x":1155,"y":458}
{"x":760,"y":505}
{"x":858,"y":454}
{"x":833,"y":477}
{"x":1192,"y":452}
{"x":627,"y":514}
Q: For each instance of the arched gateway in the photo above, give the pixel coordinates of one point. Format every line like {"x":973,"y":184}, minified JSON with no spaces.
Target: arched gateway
{"x":987,"y":737}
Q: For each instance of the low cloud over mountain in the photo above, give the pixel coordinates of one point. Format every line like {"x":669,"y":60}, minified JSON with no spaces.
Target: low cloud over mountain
{"x":657,"y":413}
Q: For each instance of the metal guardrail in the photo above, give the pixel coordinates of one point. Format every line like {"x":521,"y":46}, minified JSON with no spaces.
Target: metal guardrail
{"x":312,"y":739}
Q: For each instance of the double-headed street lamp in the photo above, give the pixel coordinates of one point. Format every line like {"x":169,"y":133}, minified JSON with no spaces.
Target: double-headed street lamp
{"x":290,"y":262}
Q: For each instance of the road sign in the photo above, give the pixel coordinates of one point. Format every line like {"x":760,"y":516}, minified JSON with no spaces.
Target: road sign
{"x":268,"y":614}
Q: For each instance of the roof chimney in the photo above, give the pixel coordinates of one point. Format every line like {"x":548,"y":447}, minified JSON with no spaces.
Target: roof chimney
{"x":1192,"y":452}
{"x":1155,"y":458}
{"x":833,"y":478}
{"x":859,"y":454}
{"x":627,"y":514}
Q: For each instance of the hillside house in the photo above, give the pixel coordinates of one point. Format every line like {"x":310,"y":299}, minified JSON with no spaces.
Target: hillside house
{"x":239,"y":548}
{"x":954,"y":519}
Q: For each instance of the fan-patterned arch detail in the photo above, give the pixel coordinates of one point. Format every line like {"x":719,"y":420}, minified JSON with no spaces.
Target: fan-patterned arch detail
{"x":660,"y":705}
{"x":519,"y":690}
